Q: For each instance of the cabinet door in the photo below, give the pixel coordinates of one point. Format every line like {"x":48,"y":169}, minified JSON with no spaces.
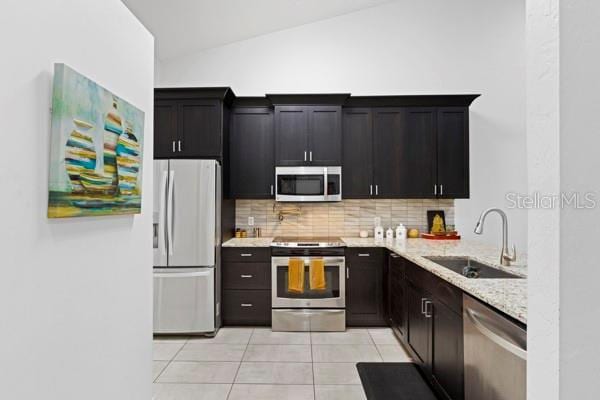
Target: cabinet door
{"x":447,"y":364}
{"x":357,"y":154}
{"x":325,"y":135}
{"x":418,"y":154}
{"x":388,"y":126}
{"x":165,"y":128}
{"x":364,"y":291}
{"x":252,"y":153}
{"x":291,"y":135}
{"x":200,"y":128}
{"x":398,"y":312}
{"x":419,"y":325}
{"x":453,"y":152}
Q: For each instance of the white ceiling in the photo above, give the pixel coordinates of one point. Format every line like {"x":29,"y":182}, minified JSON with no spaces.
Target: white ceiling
{"x":184,"y":26}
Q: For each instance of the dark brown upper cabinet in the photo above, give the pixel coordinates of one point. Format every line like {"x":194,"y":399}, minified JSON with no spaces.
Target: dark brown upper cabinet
{"x":165,"y":128}
{"x":308,"y":135}
{"x":357,"y":153}
{"x":405,"y":152}
{"x":252,"y":153}
{"x":453,"y":152}
{"x":191,"y":122}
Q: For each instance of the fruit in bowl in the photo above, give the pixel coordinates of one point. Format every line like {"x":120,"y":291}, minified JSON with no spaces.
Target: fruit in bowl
{"x":413,"y":233}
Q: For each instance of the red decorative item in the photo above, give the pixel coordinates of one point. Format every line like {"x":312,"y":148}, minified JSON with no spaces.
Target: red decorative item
{"x":444,"y":236}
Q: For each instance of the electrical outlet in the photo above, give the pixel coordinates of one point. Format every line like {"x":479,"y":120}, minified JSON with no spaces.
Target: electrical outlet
{"x":250,"y":221}
{"x":377,"y":221}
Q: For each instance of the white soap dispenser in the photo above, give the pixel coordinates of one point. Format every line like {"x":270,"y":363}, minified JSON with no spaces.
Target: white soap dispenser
{"x":378,"y":232}
{"x":401,"y":232}
{"x":389,"y":234}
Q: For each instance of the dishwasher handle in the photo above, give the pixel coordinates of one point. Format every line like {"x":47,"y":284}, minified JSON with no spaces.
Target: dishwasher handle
{"x":494,"y":336}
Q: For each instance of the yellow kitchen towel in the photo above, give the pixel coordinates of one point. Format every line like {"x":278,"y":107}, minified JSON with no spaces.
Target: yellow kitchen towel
{"x":296,"y":275}
{"x":317,"y":274}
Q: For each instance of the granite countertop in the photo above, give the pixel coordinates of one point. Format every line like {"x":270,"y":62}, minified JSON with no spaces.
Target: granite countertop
{"x":507,"y":295}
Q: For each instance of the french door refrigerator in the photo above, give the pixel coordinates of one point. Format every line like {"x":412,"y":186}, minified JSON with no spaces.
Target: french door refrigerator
{"x":187,"y":199}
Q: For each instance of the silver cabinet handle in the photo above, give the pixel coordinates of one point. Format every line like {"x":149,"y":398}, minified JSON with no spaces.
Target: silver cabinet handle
{"x":428,"y":314}
{"x":173,"y":146}
{"x":310,"y":155}
{"x":435,"y":190}
{"x":376,"y":190}
{"x":394,"y":255}
{"x":271,"y":190}
{"x":423,"y":300}
{"x":246,"y":254}
{"x":364,"y":255}
{"x":245,"y":276}
{"x":371,"y":190}
{"x":347,"y":273}
{"x":246,"y":304}
{"x":179,"y":145}
{"x":441,"y":190}
{"x":304,"y":155}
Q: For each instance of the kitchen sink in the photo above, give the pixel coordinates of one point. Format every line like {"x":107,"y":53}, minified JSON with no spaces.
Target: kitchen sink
{"x":469,"y":268}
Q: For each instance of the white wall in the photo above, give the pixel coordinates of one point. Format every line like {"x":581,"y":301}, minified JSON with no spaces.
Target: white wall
{"x":579,"y":228}
{"x":404,"y":47}
{"x":543,"y":149}
{"x":75,"y":294}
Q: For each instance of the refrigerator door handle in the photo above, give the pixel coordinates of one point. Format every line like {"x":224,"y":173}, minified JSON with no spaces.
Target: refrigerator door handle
{"x":170,"y":211}
{"x":162,"y":228}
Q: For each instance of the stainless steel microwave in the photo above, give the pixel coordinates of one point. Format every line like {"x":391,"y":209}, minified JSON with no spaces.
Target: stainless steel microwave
{"x":308,"y":184}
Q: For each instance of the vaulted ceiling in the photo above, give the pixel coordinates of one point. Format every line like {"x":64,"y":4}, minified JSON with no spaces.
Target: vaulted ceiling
{"x":184,"y":26}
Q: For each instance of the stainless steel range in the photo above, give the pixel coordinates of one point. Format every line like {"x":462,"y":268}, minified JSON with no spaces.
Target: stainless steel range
{"x":309,"y":308}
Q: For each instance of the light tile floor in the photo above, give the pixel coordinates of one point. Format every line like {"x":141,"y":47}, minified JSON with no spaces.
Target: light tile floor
{"x":256,"y":363}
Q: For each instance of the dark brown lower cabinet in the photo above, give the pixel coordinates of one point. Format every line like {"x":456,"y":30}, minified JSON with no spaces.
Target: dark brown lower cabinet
{"x":447,"y":356}
{"x":246,"y":296}
{"x":365,"y":305}
{"x":246,"y":307}
{"x":398,"y":315}
{"x":433,"y":333}
{"x":419,"y":331}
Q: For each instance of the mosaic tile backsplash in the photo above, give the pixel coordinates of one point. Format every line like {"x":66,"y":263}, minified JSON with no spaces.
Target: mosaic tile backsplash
{"x":345,"y":218}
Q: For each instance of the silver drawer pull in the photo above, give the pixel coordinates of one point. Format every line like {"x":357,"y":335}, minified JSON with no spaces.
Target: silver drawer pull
{"x":246,"y":304}
{"x":246,"y":254}
{"x":245,"y":276}
{"x":364,"y":255}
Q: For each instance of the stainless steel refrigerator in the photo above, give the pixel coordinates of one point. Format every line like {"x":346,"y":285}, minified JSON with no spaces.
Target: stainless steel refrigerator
{"x":187,"y":219}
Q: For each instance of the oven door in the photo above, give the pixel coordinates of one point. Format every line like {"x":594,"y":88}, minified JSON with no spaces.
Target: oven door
{"x":333,"y":296}
{"x":300,"y":184}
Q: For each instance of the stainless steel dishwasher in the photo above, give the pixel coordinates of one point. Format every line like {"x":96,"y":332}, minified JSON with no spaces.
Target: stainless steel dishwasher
{"x":495,"y":354}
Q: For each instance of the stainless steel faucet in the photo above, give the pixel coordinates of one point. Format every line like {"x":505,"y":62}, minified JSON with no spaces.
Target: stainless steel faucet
{"x":505,"y":256}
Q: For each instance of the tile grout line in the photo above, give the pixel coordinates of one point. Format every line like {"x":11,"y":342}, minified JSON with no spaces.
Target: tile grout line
{"x":312,"y":365}
{"x":171,"y":360}
{"x":375,"y":344}
{"x":240,"y":365}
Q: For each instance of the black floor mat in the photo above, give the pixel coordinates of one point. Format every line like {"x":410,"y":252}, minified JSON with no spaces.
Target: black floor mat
{"x":393,"y":381}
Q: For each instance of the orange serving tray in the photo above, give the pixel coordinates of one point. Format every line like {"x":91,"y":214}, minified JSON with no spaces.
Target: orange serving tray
{"x":448,"y":236}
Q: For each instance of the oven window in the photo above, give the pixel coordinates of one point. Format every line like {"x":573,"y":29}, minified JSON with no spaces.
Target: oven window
{"x":333,"y":185}
{"x":332,"y":281}
{"x":300,"y":185}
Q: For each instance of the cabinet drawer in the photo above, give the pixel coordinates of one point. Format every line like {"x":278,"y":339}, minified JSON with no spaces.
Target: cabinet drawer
{"x":247,"y":307}
{"x":247,"y":254}
{"x":242,"y":275}
{"x":364,"y":254}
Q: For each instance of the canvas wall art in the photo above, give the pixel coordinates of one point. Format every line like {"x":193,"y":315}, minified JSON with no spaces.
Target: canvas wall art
{"x":96,"y":149}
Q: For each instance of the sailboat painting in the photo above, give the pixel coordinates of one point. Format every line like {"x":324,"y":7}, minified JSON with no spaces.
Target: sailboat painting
{"x":95,"y":150}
